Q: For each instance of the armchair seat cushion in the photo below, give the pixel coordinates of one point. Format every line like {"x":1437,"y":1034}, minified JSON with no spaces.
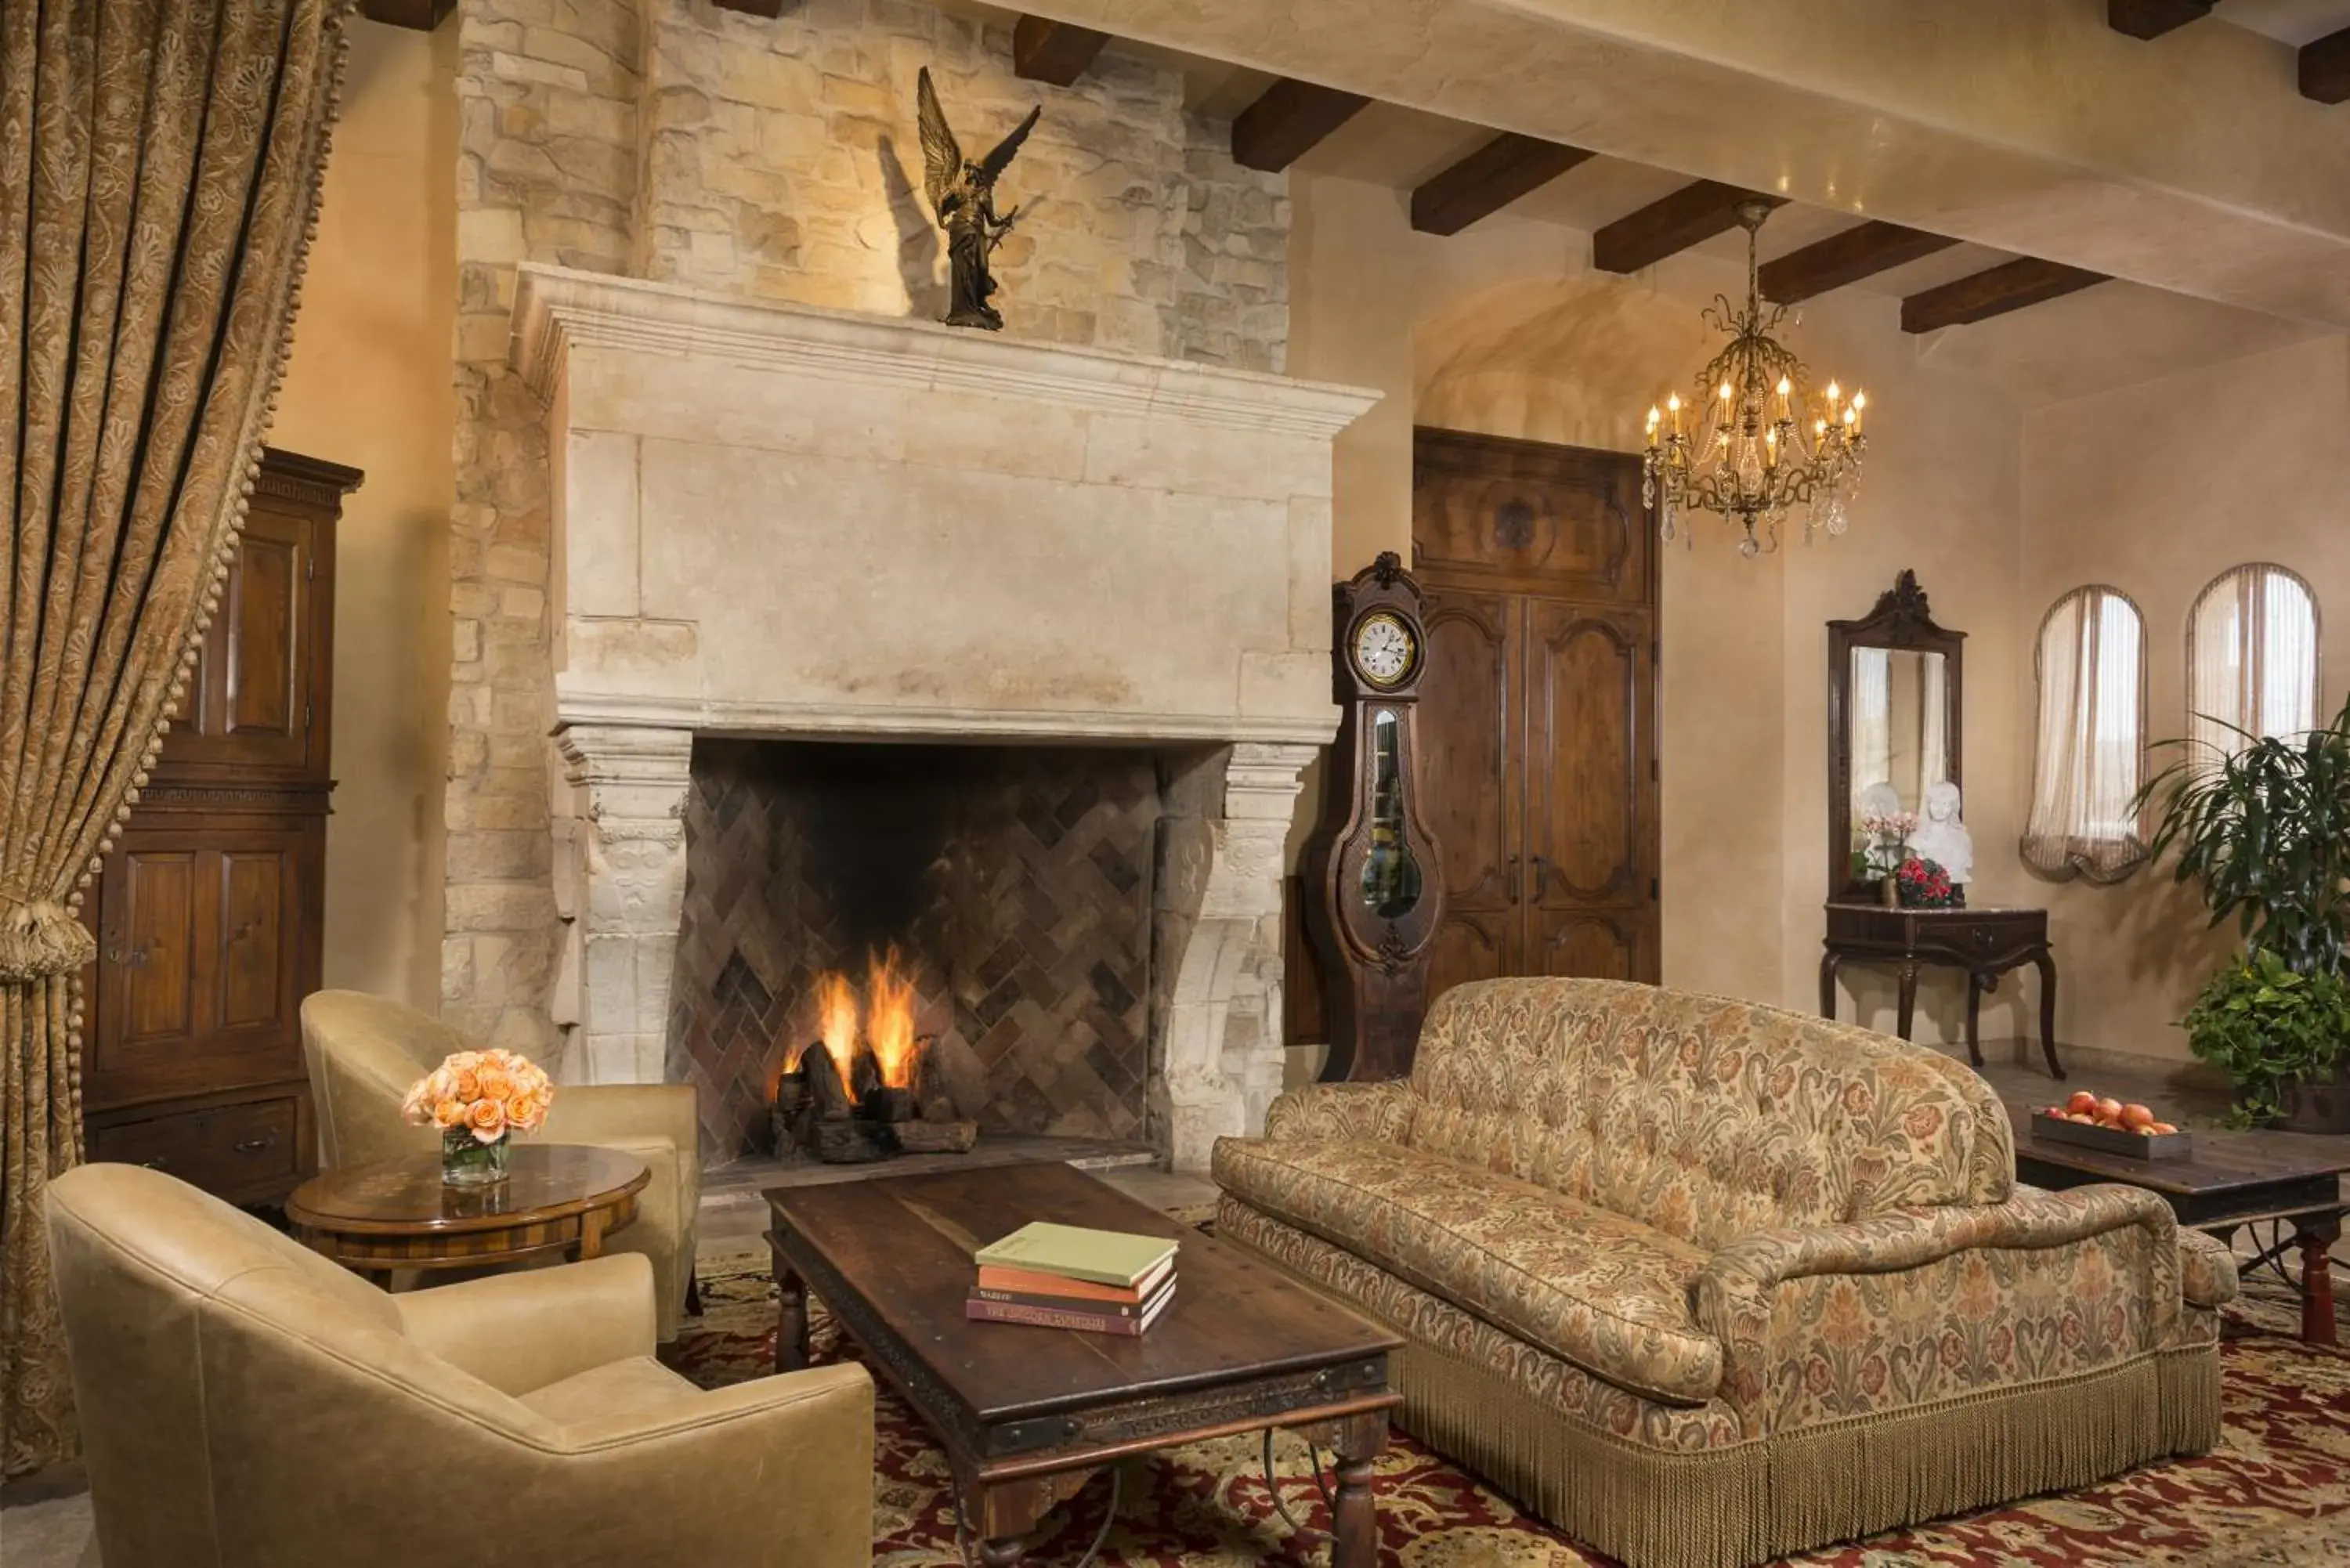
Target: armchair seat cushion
{"x":1604,"y":1292}
{"x":638,"y":1386}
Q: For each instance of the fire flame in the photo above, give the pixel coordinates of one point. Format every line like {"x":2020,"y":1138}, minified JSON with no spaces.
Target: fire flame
{"x":890,"y":1020}
{"x":881,"y":1022}
{"x":836,"y":1006}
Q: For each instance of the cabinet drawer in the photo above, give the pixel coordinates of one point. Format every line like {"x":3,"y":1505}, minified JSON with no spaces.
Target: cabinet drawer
{"x":1986,"y":936}
{"x":251,"y":1149}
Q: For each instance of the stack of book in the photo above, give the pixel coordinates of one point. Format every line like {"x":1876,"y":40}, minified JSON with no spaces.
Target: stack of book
{"x":1064,"y":1276}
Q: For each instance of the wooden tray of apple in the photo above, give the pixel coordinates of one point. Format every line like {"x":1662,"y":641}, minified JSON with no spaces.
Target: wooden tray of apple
{"x":2102,"y":1122}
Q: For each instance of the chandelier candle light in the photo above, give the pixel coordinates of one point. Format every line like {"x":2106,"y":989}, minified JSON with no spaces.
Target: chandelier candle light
{"x":1756,"y":441}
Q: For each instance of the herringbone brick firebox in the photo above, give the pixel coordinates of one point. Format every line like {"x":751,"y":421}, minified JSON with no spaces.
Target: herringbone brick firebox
{"x":1015,"y":880}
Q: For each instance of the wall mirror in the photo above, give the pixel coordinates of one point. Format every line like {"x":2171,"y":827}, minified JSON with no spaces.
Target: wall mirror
{"x":1894,"y":684}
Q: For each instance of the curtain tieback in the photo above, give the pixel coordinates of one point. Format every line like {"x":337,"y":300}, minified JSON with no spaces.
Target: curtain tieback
{"x":39,"y":938}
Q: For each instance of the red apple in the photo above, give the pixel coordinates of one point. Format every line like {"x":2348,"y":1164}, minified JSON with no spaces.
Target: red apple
{"x":2136,"y":1117}
{"x":2109,"y":1109}
{"x":2084,"y":1121}
{"x":2081,"y":1104}
{"x":2164,"y":1128}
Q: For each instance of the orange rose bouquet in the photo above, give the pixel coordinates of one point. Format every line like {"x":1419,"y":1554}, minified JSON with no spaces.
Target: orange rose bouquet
{"x":476,"y":1098}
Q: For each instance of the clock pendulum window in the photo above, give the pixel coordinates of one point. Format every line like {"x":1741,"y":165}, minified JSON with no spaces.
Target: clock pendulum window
{"x":1373,"y":902}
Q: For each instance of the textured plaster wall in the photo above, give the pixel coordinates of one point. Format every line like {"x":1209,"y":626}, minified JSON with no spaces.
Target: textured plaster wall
{"x":2157,"y":488}
{"x":669,"y":139}
{"x":1506,"y":330}
{"x":368,"y":386}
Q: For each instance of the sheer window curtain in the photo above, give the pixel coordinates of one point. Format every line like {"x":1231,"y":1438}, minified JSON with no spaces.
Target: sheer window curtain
{"x":1872,"y":723}
{"x":2251,"y":659}
{"x":2091,"y":747}
{"x":1934,"y":725}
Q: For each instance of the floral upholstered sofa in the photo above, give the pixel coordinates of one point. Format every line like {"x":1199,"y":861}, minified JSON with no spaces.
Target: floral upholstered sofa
{"x":1702,"y":1281}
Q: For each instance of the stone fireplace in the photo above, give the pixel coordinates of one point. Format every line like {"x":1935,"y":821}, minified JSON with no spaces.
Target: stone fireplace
{"x":785,"y":524}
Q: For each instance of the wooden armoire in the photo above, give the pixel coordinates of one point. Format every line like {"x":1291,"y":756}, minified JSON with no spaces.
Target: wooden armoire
{"x":208,"y":911}
{"x":1538,"y":712}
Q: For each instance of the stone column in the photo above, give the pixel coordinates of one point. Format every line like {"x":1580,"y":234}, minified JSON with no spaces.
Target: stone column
{"x":619,"y":887}
{"x":1223,"y":1051}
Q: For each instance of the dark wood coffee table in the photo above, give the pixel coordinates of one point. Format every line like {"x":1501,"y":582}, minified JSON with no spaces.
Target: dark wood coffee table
{"x":1026,"y":1414}
{"x":2239,"y":1181}
{"x":398,"y":1214}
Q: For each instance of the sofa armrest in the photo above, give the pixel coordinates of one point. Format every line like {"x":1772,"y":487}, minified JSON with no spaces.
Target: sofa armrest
{"x":1913,"y":1306}
{"x":1369,"y":1113}
{"x":2207,"y":1270}
{"x":517,"y":1332}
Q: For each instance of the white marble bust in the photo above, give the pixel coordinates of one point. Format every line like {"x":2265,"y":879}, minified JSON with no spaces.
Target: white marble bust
{"x":1941,"y":837}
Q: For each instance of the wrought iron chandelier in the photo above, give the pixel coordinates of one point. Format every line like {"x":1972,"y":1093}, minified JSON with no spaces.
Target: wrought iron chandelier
{"x":1755,"y":441}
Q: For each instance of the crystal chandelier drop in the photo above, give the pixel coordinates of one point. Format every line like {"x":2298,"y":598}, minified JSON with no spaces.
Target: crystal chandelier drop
{"x":1756,"y":441}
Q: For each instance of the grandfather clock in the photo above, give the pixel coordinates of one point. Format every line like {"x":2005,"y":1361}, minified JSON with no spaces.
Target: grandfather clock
{"x":1373,"y":897}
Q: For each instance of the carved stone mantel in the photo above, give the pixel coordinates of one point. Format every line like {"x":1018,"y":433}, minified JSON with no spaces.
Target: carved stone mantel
{"x":773,"y":520}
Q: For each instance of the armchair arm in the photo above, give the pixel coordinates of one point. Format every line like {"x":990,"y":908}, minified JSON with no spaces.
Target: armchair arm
{"x":1919,"y":1305}
{"x":1367,"y":1113}
{"x":611,"y":1115}
{"x":522,"y":1331}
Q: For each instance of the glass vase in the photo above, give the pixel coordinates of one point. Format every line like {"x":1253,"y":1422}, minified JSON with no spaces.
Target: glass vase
{"x":466,"y":1161}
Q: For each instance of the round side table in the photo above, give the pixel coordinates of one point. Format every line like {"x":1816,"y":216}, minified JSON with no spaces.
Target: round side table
{"x":399,"y":1214}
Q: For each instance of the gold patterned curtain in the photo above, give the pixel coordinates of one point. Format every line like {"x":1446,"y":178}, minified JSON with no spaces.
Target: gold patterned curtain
{"x":159,"y":173}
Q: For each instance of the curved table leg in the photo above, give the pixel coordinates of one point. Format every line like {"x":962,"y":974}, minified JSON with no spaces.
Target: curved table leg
{"x":2046,"y":964}
{"x":1906,"y":999}
{"x":1974,"y":1017}
{"x":1830,"y":961}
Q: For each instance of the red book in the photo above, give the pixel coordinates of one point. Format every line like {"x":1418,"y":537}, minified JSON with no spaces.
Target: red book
{"x":979,"y":1311}
{"x":1035,"y":1282}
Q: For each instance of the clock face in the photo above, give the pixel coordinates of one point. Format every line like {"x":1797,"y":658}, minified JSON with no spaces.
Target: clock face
{"x":1385,"y":649}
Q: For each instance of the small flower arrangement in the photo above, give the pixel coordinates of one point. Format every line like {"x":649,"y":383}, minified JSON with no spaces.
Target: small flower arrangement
{"x":476,"y":1098}
{"x":1924,"y":885}
{"x":1888,"y":839}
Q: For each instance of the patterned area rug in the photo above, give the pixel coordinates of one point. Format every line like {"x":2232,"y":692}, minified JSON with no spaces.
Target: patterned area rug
{"x":2275,"y":1490}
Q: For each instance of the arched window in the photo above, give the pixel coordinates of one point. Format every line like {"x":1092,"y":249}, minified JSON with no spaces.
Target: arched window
{"x":2086,"y":766}
{"x":2251,"y":659}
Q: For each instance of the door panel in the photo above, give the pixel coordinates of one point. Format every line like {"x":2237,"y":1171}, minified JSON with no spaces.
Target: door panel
{"x":1594,"y":947}
{"x":249,"y":705}
{"x":1525,"y":515}
{"x":1471,"y":944}
{"x":254,"y":887}
{"x":157,"y":946}
{"x":1583,"y":728}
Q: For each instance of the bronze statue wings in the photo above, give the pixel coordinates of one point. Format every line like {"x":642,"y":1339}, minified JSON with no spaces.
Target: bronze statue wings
{"x":942,"y":162}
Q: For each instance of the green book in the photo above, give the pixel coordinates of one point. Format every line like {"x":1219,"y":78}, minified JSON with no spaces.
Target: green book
{"x":1104,"y":1257}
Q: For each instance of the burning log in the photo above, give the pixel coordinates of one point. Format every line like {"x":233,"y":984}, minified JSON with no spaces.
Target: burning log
{"x":870,"y":1087}
{"x":828,"y":1095}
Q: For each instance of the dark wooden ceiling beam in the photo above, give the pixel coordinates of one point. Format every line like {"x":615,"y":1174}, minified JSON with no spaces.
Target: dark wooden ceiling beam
{"x":423,"y":16}
{"x":2325,"y":68}
{"x":1288,"y":121}
{"x":1847,"y":257}
{"x":1488,"y":180}
{"x":2153,"y":18}
{"x":1043,"y":50}
{"x":1995,"y":291}
{"x":1689,"y":215}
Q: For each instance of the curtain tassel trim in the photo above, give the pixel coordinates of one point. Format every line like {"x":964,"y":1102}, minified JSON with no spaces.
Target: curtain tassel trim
{"x":39,"y":940}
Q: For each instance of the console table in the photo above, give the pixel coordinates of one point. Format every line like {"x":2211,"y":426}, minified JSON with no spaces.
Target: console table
{"x":1986,"y":943}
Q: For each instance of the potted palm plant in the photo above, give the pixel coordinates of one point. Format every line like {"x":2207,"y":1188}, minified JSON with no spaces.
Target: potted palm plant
{"x":2264,"y":831}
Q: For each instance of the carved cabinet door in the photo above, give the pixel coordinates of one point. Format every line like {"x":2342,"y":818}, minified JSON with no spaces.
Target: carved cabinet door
{"x":1538,"y":766}
{"x":251,"y":707}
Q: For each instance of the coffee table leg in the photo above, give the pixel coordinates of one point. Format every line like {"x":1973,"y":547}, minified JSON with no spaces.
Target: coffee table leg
{"x":2317,"y":1238}
{"x":1004,"y":1553}
{"x":791,"y":1314}
{"x":1355,"y":1522}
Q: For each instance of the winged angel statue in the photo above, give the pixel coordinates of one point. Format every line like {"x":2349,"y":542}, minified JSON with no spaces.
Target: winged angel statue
{"x":963,"y":193}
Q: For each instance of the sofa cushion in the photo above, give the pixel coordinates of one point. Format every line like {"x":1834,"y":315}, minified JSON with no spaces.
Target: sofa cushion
{"x":1608,"y":1293}
{"x":1705,"y":1117}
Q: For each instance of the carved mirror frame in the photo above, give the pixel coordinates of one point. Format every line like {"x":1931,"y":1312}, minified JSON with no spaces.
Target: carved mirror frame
{"x":1902,"y":620}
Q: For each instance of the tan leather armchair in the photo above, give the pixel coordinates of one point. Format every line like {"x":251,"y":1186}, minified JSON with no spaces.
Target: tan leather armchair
{"x":244,"y":1400}
{"x":364,"y":1051}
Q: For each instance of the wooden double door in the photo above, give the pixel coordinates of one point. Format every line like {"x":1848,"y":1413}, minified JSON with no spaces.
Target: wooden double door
{"x":1537,"y":727}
